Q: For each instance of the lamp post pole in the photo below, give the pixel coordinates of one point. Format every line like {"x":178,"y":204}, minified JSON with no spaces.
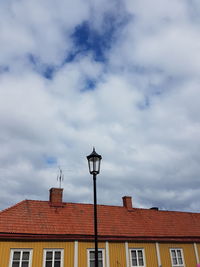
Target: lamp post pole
{"x":95,"y":220}
{"x":94,"y":161}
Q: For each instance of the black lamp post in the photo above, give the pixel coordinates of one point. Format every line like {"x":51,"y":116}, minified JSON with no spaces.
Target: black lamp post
{"x":94,"y":161}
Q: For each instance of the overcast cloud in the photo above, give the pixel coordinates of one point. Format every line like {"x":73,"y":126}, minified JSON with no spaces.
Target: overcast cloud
{"x":123,"y":76}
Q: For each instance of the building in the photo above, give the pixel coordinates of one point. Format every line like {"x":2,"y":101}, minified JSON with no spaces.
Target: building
{"x":58,"y":234}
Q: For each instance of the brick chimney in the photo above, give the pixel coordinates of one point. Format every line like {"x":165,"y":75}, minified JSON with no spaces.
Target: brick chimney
{"x":127,"y":202}
{"x":55,"y":196}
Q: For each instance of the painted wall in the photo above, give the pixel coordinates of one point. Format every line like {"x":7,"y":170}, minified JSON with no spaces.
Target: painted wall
{"x":37,"y":258}
{"x":188,"y":254}
{"x":115,"y":253}
{"x":198,"y":250}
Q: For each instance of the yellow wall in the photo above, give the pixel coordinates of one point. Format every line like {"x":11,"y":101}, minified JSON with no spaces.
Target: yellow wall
{"x":37,"y":251}
{"x":198,"y":249}
{"x":188,"y":254}
{"x":149,"y":251}
{"x":117,"y":254}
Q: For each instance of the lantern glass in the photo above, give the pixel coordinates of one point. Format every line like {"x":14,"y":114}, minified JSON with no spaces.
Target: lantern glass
{"x":94,"y":161}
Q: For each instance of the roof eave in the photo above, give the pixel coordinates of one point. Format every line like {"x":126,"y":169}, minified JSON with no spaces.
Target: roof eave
{"x":79,"y":237}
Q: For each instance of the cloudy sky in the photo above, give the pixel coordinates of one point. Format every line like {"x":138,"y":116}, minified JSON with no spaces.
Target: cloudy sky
{"x":123,"y":76}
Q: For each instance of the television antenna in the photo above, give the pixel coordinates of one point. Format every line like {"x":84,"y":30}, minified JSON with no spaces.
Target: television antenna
{"x":60,"y":176}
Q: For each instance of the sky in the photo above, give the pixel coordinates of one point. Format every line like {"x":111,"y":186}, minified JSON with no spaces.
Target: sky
{"x":123,"y":76}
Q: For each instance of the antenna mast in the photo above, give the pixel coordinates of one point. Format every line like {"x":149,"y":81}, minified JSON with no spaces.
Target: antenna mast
{"x":60,"y":176}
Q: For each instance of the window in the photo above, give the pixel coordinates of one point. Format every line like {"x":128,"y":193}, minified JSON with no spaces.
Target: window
{"x":91,"y":258}
{"x":177,"y":257}
{"x":137,"y":257}
{"x":53,"y":258}
{"x":20,"y":257}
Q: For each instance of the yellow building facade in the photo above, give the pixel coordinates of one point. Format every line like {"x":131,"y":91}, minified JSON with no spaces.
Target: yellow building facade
{"x":58,"y":234}
{"x":75,"y":253}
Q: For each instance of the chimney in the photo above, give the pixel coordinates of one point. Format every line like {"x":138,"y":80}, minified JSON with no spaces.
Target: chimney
{"x":154,"y":208}
{"x":55,"y":196}
{"x":127,"y":202}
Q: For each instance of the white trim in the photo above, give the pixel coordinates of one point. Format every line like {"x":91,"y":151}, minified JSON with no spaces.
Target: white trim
{"x":196,"y":252}
{"x":92,"y":249}
{"x":53,"y":250}
{"x":182,"y":256}
{"x":158,"y":254}
{"x":107,"y":255}
{"x":127,"y":255}
{"x":21,"y":250}
{"x":143,"y":254}
{"x":75,"y":253}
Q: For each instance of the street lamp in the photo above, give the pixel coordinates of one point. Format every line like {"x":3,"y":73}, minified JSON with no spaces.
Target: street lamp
{"x":94,"y":161}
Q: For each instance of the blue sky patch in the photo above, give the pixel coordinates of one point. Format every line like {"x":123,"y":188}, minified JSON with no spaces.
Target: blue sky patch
{"x":49,"y":71}
{"x":50,"y":160}
{"x":90,"y":84}
{"x":4,"y":69}
{"x":46,"y":70}
{"x":87,"y":39}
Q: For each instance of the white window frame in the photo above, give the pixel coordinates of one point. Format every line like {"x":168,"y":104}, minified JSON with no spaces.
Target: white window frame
{"x":92,"y":249}
{"x":53,"y":250}
{"x":21,"y":250}
{"x":182,"y":257}
{"x":143,"y":254}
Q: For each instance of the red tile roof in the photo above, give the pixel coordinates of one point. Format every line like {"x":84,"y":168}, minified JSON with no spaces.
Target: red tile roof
{"x":32,"y":219}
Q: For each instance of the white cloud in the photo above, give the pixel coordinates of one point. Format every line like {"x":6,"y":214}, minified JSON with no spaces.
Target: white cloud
{"x":140,"y":108}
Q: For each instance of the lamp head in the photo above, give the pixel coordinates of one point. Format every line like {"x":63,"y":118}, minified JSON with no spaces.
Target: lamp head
{"x":94,"y":161}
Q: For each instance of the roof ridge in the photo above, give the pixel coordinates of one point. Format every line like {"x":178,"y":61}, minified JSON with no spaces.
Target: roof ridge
{"x":91,"y":204}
